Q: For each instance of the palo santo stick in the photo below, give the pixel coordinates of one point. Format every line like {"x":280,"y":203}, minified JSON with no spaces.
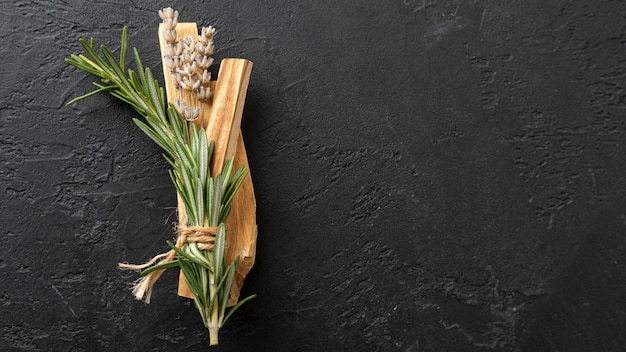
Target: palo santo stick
{"x":225,"y":117}
{"x":222,"y":118}
{"x":241,"y":226}
{"x":223,"y":128}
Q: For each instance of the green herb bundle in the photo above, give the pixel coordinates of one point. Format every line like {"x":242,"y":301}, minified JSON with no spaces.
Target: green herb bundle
{"x":200,"y":247}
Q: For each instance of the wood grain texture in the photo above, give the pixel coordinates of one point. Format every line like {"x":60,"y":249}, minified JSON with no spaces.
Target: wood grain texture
{"x":222,"y":120}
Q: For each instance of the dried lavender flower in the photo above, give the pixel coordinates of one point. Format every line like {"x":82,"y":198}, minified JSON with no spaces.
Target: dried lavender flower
{"x":206,"y":78}
{"x":170,"y":23}
{"x":168,"y":13}
{"x":170,"y":50}
{"x":180,"y":106}
{"x":208,"y":50}
{"x":200,"y":47}
{"x":169,"y":35}
{"x":169,"y":62}
{"x":203,"y":94}
{"x":194,"y":67}
{"x":196,"y":85}
{"x":204,"y":62}
{"x":179,"y":49}
{"x":194,"y":113}
{"x":188,"y":60}
{"x":186,"y":84}
{"x":207,"y":34}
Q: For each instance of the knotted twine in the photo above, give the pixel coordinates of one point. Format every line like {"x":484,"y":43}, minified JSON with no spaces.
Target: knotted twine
{"x":204,"y":237}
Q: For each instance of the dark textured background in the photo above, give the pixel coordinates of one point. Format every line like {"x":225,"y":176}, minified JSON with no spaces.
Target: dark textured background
{"x":431,"y":176}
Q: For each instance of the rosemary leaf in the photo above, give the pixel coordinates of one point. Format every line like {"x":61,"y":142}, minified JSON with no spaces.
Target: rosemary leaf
{"x":124,"y":48}
{"x":162,"y":266}
{"x":236,"y":306}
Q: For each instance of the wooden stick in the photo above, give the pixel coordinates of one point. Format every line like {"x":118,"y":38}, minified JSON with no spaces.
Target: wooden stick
{"x":225,"y":114}
{"x":242,"y":227}
{"x":222,"y":119}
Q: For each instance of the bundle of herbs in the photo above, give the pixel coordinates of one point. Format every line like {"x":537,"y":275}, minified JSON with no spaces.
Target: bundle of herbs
{"x":199,"y":250}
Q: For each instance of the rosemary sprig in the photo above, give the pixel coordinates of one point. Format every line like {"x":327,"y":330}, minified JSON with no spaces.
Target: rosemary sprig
{"x":207,"y":199}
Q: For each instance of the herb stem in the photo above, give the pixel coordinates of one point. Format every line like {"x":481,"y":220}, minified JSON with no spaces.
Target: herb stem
{"x":214,"y":322}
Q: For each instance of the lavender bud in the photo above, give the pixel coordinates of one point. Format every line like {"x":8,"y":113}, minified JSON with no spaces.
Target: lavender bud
{"x":196,"y":85}
{"x":187,"y":84}
{"x":208,"y":51}
{"x":181,"y":106}
{"x":168,"y":13}
{"x":179,"y":49}
{"x":207,"y":32}
{"x":170,"y":23}
{"x":194,"y":113}
{"x":185,"y":58}
{"x":203,"y":63}
{"x":203,"y":94}
{"x":169,"y":35}
{"x":169,"y":62}
{"x":206,"y":77}
{"x":184,"y":70}
{"x":170,"y":50}
{"x":182,"y":84}
{"x":187,"y":114}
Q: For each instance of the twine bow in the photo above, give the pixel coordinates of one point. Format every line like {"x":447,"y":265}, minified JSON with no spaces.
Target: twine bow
{"x":204,"y":237}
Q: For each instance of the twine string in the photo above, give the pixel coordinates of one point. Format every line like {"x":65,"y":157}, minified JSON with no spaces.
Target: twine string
{"x":203,"y":237}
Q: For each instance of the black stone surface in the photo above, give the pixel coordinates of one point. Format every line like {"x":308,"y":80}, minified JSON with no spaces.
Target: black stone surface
{"x":431,"y":176}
